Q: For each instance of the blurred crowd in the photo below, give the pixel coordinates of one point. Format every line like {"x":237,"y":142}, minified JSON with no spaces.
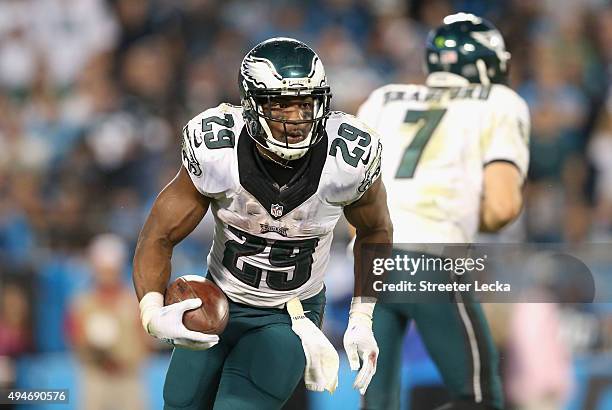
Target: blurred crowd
{"x":94,"y":93}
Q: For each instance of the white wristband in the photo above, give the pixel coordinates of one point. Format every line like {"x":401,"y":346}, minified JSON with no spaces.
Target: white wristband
{"x":149,"y":303}
{"x":362,"y":307}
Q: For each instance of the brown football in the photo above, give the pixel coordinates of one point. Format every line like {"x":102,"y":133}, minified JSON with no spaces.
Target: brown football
{"x":212,"y":316}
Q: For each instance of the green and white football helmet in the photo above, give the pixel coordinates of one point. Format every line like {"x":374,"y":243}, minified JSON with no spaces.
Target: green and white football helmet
{"x":283,"y":67}
{"x":469,"y":46}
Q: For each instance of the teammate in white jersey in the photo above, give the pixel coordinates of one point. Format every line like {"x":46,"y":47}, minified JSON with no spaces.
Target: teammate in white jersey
{"x":277,"y":173}
{"x":456,"y":155}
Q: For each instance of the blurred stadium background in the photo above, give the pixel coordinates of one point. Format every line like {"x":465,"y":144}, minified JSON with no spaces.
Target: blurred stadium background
{"x":94,"y":93}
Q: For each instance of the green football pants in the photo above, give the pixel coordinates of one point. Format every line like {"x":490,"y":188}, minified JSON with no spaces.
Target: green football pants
{"x":257,"y":363}
{"x":458,"y":339}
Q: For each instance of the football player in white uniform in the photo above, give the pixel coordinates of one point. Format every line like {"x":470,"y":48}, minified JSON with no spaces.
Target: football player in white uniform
{"x":456,"y":155}
{"x":277,"y":173}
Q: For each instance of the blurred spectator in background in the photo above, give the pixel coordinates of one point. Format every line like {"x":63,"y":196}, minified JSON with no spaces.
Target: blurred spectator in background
{"x":538,"y":373}
{"x":15,"y":329}
{"x":558,"y":112}
{"x":600,"y":153}
{"x":15,"y":321}
{"x":105,"y":331}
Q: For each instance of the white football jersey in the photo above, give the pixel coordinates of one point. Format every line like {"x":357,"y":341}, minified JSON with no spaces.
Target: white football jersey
{"x":437,"y":141}
{"x":271,"y":245}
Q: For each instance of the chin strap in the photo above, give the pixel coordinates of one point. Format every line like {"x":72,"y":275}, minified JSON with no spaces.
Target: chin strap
{"x":267,"y":156}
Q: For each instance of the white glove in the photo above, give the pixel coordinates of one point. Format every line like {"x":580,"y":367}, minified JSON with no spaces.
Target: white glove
{"x":166,"y":322}
{"x":359,"y":343}
{"x":322,"y":361}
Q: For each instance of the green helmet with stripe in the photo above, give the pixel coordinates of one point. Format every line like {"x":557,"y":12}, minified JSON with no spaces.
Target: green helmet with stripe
{"x":283,"y":67}
{"x":469,"y":46}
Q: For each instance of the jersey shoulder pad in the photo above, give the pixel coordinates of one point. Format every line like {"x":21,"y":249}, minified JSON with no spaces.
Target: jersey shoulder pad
{"x":208,"y":147}
{"x":503,"y":99}
{"x":353,"y":160}
{"x":507,"y":106}
{"x":506,"y":135}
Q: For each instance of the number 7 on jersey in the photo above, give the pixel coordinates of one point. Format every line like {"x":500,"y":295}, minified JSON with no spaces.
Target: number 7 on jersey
{"x":429,"y":121}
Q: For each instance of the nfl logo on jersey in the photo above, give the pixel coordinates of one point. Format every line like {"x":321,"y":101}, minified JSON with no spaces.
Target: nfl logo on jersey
{"x":276,"y":210}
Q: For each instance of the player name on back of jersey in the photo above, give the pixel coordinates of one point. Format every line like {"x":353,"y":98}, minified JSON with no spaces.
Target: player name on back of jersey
{"x":433,"y":94}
